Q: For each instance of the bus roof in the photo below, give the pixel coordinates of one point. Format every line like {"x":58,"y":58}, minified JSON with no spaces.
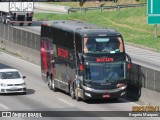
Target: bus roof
{"x":82,"y":27}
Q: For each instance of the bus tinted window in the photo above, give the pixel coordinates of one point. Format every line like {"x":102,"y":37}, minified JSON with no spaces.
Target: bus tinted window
{"x":107,"y":45}
{"x":78,"y":43}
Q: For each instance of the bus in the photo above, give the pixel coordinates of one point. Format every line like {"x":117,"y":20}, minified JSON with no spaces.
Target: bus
{"x":85,"y":60}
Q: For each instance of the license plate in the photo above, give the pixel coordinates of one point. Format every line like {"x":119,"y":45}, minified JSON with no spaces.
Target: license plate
{"x":13,"y":88}
{"x":106,"y":96}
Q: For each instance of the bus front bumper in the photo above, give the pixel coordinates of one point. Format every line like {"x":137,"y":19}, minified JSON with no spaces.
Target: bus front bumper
{"x":90,"y":93}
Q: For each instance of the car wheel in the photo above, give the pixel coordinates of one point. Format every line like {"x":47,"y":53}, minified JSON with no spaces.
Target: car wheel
{"x":23,"y":93}
{"x":71,"y":90}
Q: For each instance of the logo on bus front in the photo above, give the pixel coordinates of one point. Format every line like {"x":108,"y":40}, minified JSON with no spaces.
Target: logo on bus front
{"x":104,"y":59}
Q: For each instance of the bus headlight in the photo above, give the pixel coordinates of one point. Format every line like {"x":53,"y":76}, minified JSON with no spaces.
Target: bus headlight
{"x":87,"y":94}
{"x":123,"y":87}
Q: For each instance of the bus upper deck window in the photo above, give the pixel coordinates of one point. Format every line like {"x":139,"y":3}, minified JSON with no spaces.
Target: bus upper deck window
{"x":103,"y":44}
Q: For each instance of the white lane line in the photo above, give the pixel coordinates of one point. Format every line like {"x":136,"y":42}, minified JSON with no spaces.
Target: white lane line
{"x":3,"y":106}
{"x":64,"y":101}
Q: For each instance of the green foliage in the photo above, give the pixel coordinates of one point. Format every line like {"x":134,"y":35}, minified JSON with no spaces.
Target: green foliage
{"x":131,"y":22}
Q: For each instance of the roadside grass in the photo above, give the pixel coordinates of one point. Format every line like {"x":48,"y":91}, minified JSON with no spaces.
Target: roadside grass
{"x":130,"y":22}
{"x":94,"y":4}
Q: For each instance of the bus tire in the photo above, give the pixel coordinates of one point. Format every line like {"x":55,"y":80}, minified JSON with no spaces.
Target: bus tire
{"x":76,"y":95}
{"x":4,"y":20}
{"x":53,"y":86}
{"x":71,"y":90}
{"x":50,"y":83}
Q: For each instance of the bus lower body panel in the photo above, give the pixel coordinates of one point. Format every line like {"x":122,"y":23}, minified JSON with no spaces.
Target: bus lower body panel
{"x":101,"y":94}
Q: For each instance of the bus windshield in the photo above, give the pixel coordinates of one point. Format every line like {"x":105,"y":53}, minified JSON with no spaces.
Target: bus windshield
{"x":105,"y":45}
{"x":103,"y":72}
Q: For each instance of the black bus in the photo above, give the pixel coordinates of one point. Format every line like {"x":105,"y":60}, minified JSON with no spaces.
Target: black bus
{"x":85,"y":60}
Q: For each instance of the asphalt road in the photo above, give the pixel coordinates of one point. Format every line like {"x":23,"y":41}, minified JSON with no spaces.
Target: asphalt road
{"x":40,"y":98}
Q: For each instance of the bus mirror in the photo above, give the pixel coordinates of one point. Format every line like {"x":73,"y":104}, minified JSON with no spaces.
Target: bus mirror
{"x":128,"y":58}
{"x":129,"y":65}
{"x":80,"y":58}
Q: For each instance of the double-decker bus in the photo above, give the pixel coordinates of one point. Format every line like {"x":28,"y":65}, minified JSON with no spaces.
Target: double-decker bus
{"x":83,"y":59}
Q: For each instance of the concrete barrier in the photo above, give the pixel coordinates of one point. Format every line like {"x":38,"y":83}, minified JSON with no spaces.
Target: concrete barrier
{"x":22,"y":43}
{"x":50,"y":7}
{"x":143,"y":82}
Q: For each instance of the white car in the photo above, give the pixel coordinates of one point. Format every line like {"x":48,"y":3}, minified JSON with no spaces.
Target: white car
{"x":11,"y":81}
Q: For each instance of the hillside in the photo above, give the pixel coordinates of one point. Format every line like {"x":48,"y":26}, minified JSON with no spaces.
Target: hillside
{"x":131,"y":22}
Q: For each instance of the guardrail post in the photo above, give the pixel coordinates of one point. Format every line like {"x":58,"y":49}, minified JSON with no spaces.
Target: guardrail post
{"x":80,"y":9}
{"x":101,"y":9}
{"x":85,"y":9}
{"x":155,"y":30}
{"x":68,"y":10}
{"x":118,"y":8}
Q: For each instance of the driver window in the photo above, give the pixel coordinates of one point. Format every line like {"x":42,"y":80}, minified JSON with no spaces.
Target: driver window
{"x":85,"y":47}
{"x":89,"y":45}
{"x":120,"y":44}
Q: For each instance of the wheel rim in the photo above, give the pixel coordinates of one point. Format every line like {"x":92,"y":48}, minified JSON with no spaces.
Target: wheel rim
{"x":72,"y":92}
{"x":50,"y":84}
{"x":53,"y":86}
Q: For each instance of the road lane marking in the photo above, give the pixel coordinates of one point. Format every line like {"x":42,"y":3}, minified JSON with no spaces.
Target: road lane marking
{"x":3,"y":106}
{"x":64,"y":101}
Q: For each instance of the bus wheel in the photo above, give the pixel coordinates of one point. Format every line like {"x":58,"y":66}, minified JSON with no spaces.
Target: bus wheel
{"x":76,"y":95}
{"x":4,"y":20}
{"x":53,"y":86}
{"x":72,"y":93}
{"x":50,"y":83}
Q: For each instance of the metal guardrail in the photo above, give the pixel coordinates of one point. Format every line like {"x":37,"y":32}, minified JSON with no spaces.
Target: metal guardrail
{"x":102,"y":7}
